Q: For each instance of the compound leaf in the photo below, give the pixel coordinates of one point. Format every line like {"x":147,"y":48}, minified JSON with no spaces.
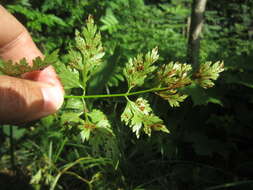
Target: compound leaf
{"x":138,"y":68}
{"x":17,"y":69}
{"x":207,"y":73}
{"x":138,"y":115}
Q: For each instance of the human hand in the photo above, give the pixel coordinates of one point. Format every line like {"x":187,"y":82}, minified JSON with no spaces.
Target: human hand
{"x":38,"y":93}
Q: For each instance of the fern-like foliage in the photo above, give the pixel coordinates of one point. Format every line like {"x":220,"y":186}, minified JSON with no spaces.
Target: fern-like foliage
{"x":138,"y":68}
{"x":208,"y":72}
{"x":97,"y":121}
{"x":87,"y":53}
{"x":17,"y":69}
{"x":139,"y":116}
{"x":110,"y":22}
{"x":85,"y":59}
{"x":174,"y":76}
{"x":36,"y":19}
{"x":98,"y":132}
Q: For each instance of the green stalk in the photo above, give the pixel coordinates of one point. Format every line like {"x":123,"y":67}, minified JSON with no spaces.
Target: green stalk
{"x":84,"y":76}
{"x":118,"y":95}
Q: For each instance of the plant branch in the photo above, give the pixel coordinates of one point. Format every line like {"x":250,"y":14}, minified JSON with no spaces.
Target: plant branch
{"x":119,"y":95}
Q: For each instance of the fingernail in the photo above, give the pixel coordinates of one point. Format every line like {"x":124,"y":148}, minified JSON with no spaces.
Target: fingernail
{"x":53,"y":99}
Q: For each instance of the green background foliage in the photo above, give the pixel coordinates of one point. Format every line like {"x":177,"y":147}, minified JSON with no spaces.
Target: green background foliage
{"x":210,"y":141}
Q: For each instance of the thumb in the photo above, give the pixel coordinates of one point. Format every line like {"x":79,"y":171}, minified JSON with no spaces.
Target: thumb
{"x":52,"y":89}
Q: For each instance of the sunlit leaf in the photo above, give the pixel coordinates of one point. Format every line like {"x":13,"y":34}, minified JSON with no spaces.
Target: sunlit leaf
{"x":138,"y":116}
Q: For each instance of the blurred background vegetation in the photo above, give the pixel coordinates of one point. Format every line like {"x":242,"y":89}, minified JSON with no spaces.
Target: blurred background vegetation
{"x":210,"y":144}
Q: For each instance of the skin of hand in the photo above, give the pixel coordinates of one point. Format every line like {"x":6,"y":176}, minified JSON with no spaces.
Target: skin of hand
{"x":37,"y":93}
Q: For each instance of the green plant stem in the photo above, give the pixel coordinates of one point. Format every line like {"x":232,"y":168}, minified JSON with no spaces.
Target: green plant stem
{"x":118,"y":95}
{"x":92,"y":162}
{"x":84,"y":75}
{"x":85,"y":109}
